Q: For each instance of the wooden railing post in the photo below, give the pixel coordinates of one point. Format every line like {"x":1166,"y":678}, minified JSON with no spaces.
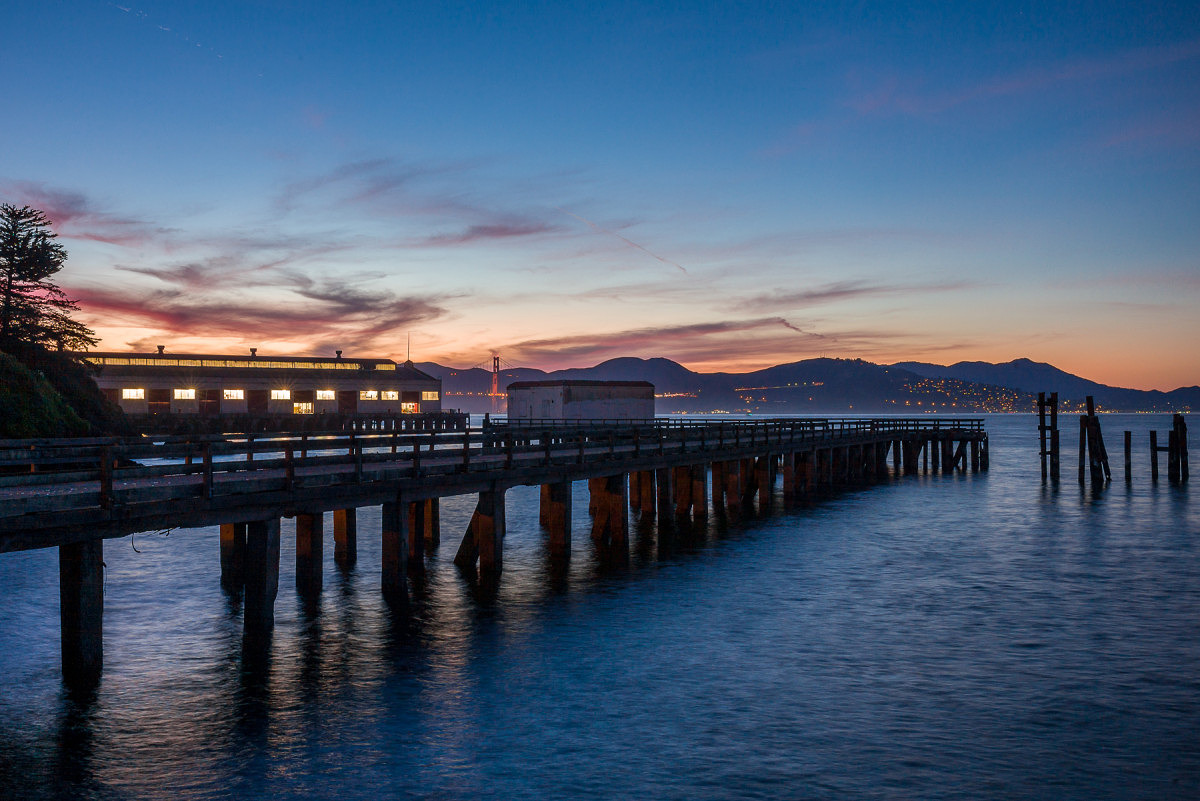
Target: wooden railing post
{"x":106,"y":478}
{"x":208,"y":470}
{"x":289,"y":464}
{"x":466,"y":454}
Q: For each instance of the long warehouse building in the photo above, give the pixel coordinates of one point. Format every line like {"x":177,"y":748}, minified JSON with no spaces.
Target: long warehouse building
{"x":204,"y":384}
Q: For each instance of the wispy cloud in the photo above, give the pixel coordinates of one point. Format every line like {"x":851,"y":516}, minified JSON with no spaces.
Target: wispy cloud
{"x":844,"y":290}
{"x":492,"y":232}
{"x":909,"y":95}
{"x":76,"y":216}
{"x":608,"y":232}
{"x":315,"y":314}
{"x":893,"y":96}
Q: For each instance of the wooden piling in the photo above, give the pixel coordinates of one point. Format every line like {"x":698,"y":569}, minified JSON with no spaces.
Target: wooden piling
{"x":646,"y":494}
{"x":262,"y":575}
{"x":233,"y":552}
{"x":309,"y":551}
{"x":1179,"y":427}
{"x":556,"y":517}
{"x":682,"y":479}
{"x":610,"y":526}
{"x":664,"y":484}
{"x":81,"y":612}
{"x":762,"y":478}
{"x":345,"y":536}
{"x":1128,"y":456}
{"x":416,"y":536}
{"x":394,"y":551}
{"x":1153,"y":456}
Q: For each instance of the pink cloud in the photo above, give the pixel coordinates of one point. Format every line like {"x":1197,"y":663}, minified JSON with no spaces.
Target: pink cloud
{"x":75,"y":216}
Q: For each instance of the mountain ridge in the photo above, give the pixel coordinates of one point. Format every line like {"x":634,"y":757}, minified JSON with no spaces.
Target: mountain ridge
{"x":828,"y":385}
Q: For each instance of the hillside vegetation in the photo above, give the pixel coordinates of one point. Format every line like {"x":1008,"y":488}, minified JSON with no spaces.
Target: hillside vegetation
{"x":31,"y":406}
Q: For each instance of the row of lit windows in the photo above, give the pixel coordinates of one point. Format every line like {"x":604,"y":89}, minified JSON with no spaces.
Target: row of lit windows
{"x":125,"y":361}
{"x":283,"y":394}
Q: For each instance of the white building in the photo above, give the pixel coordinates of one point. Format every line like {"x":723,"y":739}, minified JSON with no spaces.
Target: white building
{"x":580,"y":400}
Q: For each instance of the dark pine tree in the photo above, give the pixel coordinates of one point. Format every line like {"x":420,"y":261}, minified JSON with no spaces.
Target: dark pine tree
{"x":33,"y":309}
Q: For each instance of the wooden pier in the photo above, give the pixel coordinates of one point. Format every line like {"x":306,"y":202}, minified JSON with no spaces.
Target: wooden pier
{"x":73,"y":494}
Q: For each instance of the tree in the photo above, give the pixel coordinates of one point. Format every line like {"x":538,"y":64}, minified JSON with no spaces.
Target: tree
{"x":33,"y":309}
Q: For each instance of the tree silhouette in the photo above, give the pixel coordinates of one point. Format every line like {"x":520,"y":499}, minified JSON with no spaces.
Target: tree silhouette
{"x":33,"y":309}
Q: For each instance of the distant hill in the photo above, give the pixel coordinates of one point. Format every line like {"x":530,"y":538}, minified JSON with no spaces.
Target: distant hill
{"x":1033,"y":377}
{"x":829,"y":386}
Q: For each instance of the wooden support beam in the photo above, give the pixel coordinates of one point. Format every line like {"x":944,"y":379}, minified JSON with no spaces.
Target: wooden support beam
{"x":262,"y":575}
{"x":416,"y":536}
{"x":646,"y":494}
{"x":394,"y":551}
{"x":1128,"y":456}
{"x":433,"y":523}
{"x":682,"y":479}
{"x":1083,"y":445}
{"x":1180,"y":428}
{"x":789,"y":477}
{"x":1153,"y":458}
{"x":610,"y":526}
{"x":635,"y":491}
{"x":733,"y":485}
{"x":594,"y":485}
{"x":664,"y":484}
{"x":699,"y":476}
{"x":484,"y":538}
{"x":556,"y":517}
{"x":345,"y":536}
{"x":719,"y":482}
{"x":309,"y":552}
{"x":81,"y":612}
{"x":762,"y":480}
{"x":233,"y":556}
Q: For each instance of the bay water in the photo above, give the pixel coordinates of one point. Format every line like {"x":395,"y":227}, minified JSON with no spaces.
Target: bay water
{"x":931,"y":636}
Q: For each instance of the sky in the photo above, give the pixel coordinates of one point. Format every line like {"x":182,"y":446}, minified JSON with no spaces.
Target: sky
{"x":731,"y":185}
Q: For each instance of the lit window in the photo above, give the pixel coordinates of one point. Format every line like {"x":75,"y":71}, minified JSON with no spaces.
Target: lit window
{"x":281,"y":394}
{"x":185,"y":394}
{"x":429,"y":395}
{"x":409,"y":408}
{"x":235,"y":394}
{"x":326,"y":394}
{"x":368,"y":394}
{"x":302,"y":408}
{"x":390,"y":394}
{"x":133,"y":394}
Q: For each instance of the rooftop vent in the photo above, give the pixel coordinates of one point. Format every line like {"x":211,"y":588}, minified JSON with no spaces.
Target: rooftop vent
{"x":253,"y":352}
{"x":161,"y":348}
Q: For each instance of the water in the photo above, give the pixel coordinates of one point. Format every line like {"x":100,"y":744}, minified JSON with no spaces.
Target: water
{"x":956,"y":636}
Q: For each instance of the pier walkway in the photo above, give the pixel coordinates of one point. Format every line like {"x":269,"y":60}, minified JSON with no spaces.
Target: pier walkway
{"x":74,"y":493}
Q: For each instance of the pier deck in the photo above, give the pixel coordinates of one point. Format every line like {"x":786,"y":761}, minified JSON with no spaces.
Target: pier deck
{"x":73,"y":494}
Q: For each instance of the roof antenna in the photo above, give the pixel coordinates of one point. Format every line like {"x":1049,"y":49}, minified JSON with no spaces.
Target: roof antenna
{"x":409,"y":357}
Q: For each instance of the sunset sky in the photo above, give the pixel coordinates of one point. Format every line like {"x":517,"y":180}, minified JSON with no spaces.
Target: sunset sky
{"x":730,"y":185}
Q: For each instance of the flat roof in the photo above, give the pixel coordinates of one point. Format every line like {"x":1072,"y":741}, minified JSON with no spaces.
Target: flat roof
{"x":142,"y":361}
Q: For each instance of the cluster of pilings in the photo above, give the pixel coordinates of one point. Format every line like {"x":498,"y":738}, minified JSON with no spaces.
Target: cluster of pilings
{"x":1093,"y":456}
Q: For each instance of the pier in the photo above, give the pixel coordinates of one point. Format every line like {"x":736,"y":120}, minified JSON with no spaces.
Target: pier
{"x":73,"y":494}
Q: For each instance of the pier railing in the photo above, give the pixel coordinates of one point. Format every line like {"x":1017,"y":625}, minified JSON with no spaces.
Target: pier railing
{"x":39,"y":476}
